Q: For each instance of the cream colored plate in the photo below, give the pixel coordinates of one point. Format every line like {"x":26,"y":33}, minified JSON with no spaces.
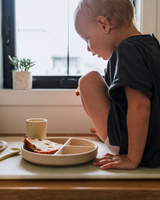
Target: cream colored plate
{"x":74,"y":151}
{"x":3,"y":145}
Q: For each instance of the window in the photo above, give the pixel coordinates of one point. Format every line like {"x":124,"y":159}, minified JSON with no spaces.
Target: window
{"x":44,"y":32}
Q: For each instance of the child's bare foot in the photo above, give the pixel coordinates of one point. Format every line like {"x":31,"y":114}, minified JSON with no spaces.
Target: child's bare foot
{"x":93,"y":130}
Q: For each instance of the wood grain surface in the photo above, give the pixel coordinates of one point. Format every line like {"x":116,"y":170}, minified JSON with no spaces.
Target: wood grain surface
{"x":80,"y":189}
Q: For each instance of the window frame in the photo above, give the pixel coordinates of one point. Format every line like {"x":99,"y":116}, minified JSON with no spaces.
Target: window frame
{"x":9,"y":48}
{"x":8,"y":35}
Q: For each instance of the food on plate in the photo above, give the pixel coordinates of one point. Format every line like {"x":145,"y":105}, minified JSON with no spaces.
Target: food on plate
{"x":42,"y":146}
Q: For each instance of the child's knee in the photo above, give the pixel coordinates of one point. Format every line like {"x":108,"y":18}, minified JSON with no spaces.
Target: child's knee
{"x":89,"y":78}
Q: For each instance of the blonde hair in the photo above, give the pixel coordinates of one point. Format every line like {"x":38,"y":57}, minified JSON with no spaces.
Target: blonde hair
{"x":122,"y":11}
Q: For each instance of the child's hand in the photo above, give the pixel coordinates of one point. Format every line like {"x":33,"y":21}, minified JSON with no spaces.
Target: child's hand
{"x":77,"y":91}
{"x":110,"y":161}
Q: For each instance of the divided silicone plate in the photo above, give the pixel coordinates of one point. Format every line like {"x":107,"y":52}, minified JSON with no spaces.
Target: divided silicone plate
{"x":74,"y":151}
{"x":3,"y":145}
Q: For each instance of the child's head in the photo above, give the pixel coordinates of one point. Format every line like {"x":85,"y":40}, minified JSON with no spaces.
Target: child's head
{"x":99,"y":23}
{"x":120,"y":10}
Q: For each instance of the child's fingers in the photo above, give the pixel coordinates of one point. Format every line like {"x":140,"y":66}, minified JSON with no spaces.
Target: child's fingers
{"x":108,"y":154}
{"x":112,"y":165}
{"x":110,"y":161}
{"x":101,"y":162}
{"x":105,"y":159}
{"x":77,"y":91}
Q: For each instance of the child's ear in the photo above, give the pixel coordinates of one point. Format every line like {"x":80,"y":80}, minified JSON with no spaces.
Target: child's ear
{"x":104,"y":23}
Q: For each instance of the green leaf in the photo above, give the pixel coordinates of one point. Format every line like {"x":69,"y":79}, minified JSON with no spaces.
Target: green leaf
{"x":21,"y":65}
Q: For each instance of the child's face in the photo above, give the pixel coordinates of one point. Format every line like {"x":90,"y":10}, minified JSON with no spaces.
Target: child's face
{"x":97,"y":41}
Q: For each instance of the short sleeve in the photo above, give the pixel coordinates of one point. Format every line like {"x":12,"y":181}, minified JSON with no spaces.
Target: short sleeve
{"x":130,"y":69}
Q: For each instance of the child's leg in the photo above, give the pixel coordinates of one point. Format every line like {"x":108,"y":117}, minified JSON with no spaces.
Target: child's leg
{"x":95,"y":100}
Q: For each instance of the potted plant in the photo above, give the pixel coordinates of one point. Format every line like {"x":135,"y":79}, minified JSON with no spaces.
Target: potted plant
{"x":22,"y":78}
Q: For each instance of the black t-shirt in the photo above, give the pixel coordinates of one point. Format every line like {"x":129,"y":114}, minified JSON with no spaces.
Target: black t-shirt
{"x":135,"y":63}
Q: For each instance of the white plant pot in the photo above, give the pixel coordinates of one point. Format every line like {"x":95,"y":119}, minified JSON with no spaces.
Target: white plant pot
{"x":22,"y":80}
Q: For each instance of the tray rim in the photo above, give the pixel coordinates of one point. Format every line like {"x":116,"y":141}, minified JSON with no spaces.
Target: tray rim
{"x":61,"y":156}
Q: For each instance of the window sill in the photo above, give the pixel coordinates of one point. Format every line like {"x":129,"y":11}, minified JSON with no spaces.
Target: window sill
{"x":39,"y":97}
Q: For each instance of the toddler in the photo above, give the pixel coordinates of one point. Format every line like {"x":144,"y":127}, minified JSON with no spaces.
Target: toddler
{"x":125,"y":105}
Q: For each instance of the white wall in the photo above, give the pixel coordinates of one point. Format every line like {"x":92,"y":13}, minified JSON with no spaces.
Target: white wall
{"x":158,"y":19}
{"x":62,"y":108}
{"x":150,"y":17}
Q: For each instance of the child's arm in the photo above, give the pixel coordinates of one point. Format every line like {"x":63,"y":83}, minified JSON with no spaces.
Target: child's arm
{"x":137,"y":122}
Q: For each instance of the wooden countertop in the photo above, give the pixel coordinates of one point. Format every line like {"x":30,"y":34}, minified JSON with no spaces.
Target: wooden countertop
{"x":80,"y":189}
{"x":146,"y":189}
